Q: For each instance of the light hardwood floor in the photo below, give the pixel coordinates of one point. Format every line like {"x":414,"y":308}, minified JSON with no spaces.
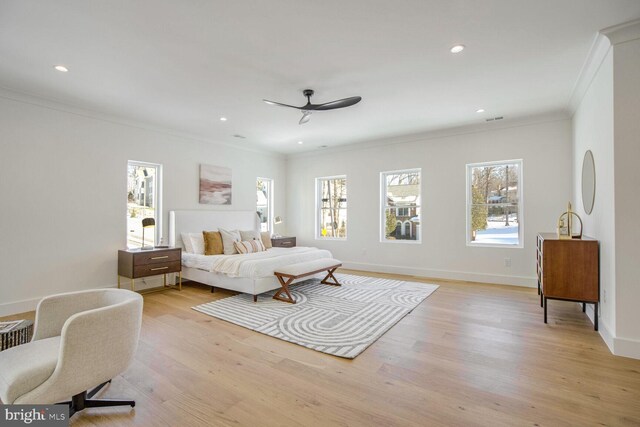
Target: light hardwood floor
{"x":469,"y":355}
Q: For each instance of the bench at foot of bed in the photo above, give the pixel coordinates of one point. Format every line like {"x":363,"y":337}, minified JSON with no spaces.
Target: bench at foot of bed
{"x":288,"y":274}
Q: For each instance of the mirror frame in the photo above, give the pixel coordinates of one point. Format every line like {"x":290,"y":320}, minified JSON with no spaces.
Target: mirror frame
{"x":588,"y":200}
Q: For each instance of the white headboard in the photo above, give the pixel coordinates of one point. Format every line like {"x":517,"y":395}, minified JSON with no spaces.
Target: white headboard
{"x":198,"y":221}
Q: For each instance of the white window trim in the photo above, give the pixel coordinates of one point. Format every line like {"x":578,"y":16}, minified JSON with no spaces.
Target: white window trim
{"x":269,"y":201}
{"x":383,"y":205}
{"x":316,"y":233}
{"x":520,"y":244}
{"x":158,"y":196}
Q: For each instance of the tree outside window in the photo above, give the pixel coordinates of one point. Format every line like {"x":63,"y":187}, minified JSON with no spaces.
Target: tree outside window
{"x":494,"y":203}
{"x":332,"y":207}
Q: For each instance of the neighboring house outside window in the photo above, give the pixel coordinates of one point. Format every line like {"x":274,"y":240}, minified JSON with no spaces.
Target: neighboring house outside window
{"x":494,"y":204}
{"x":401,"y":203}
{"x":264,"y":202}
{"x":331,"y":207}
{"x":144,"y":192}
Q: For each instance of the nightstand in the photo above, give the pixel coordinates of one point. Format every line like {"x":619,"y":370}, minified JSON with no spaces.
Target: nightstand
{"x":136,"y":263}
{"x":283,"y":242}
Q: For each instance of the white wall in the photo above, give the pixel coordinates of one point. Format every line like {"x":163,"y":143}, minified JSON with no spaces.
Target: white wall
{"x":63,"y":192}
{"x":626,"y":93}
{"x":593,"y":130}
{"x":546,"y":152}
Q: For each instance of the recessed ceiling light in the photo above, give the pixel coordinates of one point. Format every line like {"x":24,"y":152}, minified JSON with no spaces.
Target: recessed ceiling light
{"x":480,"y":110}
{"x":61,"y":68}
{"x":457,"y":48}
{"x":300,"y":142}
{"x":223,"y":119}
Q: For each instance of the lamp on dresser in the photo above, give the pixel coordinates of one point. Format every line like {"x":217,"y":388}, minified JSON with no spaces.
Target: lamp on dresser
{"x":147,"y":222}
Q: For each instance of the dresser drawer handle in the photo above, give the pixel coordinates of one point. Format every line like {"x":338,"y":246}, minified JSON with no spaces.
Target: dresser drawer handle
{"x":159,"y":268}
{"x":160,"y":257}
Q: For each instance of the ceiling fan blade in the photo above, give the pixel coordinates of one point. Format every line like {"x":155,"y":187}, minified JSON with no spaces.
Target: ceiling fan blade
{"x":341,"y":103}
{"x":280,"y":104}
{"x":306,"y":115}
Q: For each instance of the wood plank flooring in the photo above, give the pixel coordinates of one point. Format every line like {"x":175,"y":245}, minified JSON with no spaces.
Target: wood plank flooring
{"x":469,"y":355}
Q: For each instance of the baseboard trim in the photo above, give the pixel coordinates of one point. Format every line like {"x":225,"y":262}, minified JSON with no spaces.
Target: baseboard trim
{"x":23,"y":306}
{"x":626,"y":347}
{"x":529,"y":282}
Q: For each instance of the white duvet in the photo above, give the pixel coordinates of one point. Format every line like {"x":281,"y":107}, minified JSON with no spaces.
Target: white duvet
{"x":256,"y":265}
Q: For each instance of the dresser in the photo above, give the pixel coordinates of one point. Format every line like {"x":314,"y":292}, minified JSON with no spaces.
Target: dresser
{"x":136,"y":263}
{"x":283,"y":242}
{"x":569,"y":270}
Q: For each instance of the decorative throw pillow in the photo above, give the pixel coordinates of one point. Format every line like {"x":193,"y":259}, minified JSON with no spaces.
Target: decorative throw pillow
{"x":186,"y":241}
{"x":212,"y":243}
{"x":265,"y":236}
{"x":249,"y":246}
{"x":228,"y":237}
{"x":249,"y":235}
{"x":197,"y":241}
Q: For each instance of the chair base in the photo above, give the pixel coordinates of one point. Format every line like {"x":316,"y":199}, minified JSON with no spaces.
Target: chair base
{"x":83,"y":400}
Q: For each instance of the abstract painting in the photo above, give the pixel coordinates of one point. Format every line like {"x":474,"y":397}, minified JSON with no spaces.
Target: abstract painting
{"x":215,"y":185}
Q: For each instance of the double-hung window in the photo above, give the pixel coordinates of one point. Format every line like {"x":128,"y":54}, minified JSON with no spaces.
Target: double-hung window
{"x":401,"y":202}
{"x":144,"y":191}
{"x":331,"y":207}
{"x":264,"y":202}
{"x":494,"y":204}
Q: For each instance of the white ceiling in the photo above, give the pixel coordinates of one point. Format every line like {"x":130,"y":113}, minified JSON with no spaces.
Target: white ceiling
{"x":180,"y":65}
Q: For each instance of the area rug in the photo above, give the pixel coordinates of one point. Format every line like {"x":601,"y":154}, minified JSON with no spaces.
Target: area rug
{"x":342,"y":321}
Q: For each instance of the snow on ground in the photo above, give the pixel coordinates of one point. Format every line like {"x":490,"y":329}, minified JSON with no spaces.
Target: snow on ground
{"x":497,"y":232}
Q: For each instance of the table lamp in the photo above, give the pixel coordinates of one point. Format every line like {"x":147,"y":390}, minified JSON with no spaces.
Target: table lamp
{"x":147,"y":222}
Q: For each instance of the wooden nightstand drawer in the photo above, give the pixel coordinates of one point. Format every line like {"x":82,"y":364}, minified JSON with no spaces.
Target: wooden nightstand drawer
{"x":155,"y":269}
{"x":143,"y":258}
{"x":283,"y":242}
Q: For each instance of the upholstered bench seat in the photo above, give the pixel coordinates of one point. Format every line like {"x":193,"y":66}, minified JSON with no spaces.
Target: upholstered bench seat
{"x":26,"y":366}
{"x":286,"y":275}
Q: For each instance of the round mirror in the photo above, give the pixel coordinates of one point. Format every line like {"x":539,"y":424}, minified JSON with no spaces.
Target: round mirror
{"x":588,"y":182}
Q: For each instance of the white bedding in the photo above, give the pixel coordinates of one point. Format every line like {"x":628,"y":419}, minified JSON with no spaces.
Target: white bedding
{"x":255,"y":265}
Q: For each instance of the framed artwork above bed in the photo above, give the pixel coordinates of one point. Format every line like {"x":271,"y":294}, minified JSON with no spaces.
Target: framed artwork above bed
{"x":215,"y":185}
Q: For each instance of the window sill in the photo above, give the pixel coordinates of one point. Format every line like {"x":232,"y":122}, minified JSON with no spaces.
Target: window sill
{"x":410,"y":242}
{"x":495,"y":245}
{"x":343,"y":239}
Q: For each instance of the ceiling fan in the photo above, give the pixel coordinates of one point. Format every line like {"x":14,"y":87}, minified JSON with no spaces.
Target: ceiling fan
{"x":310,"y":108}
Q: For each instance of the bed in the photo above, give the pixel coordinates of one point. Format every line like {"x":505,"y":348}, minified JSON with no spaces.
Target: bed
{"x":251,"y":273}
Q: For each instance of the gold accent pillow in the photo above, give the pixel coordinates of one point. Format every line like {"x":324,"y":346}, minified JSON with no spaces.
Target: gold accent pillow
{"x":212,"y":243}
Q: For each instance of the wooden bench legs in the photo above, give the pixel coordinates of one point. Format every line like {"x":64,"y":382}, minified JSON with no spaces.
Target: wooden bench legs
{"x":285,"y":281}
{"x":331,"y":276}
{"x":284,"y":288}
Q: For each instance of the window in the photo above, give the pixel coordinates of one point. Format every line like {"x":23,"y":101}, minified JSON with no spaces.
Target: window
{"x":331,"y":206}
{"x":400,"y":219}
{"x":494,"y":203}
{"x":264,"y":202}
{"x":144,"y":191}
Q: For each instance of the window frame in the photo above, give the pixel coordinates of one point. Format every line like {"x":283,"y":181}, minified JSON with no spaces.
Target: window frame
{"x":383,"y":207}
{"x":318,"y":182}
{"x":270,"y":216}
{"x":157,"y":197}
{"x":469,"y":177}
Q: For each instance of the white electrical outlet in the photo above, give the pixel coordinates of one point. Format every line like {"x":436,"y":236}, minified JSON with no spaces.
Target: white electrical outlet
{"x":507,"y":262}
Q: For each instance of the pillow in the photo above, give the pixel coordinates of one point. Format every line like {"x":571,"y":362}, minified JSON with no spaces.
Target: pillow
{"x":212,"y":243}
{"x":228,"y":237}
{"x":249,"y":246}
{"x":197,"y":241}
{"x":265,"y":236}
{"x":249,"y":235}
{"x":193,"y":243}
{"x":186,"y":241}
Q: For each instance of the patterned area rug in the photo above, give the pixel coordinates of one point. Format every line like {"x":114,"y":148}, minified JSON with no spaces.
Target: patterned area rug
{"x":342,"y":321}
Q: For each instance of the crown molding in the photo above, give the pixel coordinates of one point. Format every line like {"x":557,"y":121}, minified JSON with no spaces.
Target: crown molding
{"x":623,"y":32}
{"x":598,"y":52}
{"x":27,"y":98}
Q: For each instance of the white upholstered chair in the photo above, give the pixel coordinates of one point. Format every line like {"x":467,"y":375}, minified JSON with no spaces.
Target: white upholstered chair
{"x":81,"y":340}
